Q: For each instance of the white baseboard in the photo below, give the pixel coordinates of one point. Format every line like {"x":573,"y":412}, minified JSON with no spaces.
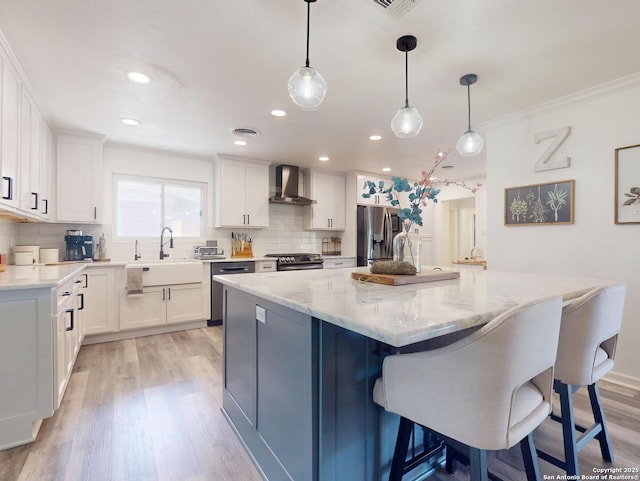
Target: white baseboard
{"x":147,"y":331}
{"x":623,"y":380}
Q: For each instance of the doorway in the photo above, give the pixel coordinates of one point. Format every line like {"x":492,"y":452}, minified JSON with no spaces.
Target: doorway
{"x":459,"y":228}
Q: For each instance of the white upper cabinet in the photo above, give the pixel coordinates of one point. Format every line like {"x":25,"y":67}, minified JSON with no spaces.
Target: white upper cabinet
{"x":9,"y":131}
{"x":26,"y":157}
{"x":30,"y":127}
{"x":328,"y":190}
{"x":79,"y":178}
{"x":242,"y":193}
{"x":47,"y":176}
{"x":363,"y":188}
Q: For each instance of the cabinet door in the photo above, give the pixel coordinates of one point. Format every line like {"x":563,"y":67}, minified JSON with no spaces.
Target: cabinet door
{"x":79,"y":179}
{"x":240,"y":351}
{"x":231,"y":200}
{"x":257,"y":194}
{"x":47,"y":173}
{"x":100,"y":302}
{"x":286,"y":389}
{"x":10,"y":133}
{"x":328,"y":213}
{"x":148,"y":310}
{"x":374,"y":199}
{"x":337,"y":204}
{"x":184,"y":303}
{"x":28,"y":198}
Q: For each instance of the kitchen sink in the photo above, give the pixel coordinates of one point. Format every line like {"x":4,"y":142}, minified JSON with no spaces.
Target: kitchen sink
{"x":160,"y":273}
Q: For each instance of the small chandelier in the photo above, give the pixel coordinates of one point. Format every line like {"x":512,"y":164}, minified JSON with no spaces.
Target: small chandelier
{"x":471,"y":142}
{"x":407,"y":122}
{"x":306,"y":86}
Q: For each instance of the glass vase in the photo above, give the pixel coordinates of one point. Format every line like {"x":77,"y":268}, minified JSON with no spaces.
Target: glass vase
{"x":406,"y":246}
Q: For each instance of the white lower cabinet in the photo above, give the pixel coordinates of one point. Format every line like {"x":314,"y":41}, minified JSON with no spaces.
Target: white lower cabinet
{"x":100,"y":313}
{"x":69,"y":334}
{"x":338,"y":263}
{"x":160,"y":305}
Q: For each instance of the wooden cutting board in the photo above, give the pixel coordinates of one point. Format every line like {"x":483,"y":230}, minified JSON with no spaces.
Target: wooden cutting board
{"x":400,"y":280}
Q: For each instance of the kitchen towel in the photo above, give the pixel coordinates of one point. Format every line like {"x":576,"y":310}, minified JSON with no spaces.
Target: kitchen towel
{"x":134,"y":282}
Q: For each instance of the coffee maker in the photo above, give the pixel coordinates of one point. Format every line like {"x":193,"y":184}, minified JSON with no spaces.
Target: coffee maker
{"x":79,"y":247}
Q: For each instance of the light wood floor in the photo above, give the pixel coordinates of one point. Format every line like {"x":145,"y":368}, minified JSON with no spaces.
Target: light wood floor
{"x":148,"y":409}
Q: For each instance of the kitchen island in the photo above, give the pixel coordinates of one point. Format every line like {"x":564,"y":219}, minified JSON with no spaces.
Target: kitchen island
{"x":303,"y":349}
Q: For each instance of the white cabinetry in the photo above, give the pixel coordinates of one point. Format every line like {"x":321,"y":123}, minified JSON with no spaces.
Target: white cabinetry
{"x":242,"y":192}
{"x":69,"y":334}
{"x":47,"y":175}
{"x":339,"y":262}
{"x":328,"y":190}
{"x":101,"y":300}
{"x":161,"y":305}
{"x":363,"y":188}
{"x":30,"y":129}
{"x":26,"y":362}
{"x":266,"y":266}
{"x":79,"y":178}
{"x":10,"y":131}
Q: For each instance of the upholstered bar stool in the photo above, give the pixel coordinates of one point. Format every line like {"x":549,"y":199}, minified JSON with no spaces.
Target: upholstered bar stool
{"x":586,"y":350}
{"x":487,"y":391}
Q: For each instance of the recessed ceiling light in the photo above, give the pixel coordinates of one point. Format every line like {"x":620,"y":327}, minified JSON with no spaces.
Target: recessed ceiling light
{"x":386,"y":169}
{"x":139,"y":77}
{"x":278,"y":113}
{"x":433,"y":178}
{"x":323,"y":158}
{"x":240,"y":142}
{"x":130,"y":121}
{"x":375,"y":137}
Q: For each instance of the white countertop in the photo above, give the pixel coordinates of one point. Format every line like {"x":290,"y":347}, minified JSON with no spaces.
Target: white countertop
{"x":403,"y":315}
{"x":31,"y":277}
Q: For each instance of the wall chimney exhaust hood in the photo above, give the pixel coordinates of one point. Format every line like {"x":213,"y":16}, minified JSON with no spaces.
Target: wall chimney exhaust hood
{"x":287,"y":179}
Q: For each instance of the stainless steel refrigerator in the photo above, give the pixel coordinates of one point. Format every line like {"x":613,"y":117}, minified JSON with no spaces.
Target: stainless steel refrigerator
{"x":376,"y":228}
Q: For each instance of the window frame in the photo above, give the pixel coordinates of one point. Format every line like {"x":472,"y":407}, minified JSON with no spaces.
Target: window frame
{"x":163,"y":182}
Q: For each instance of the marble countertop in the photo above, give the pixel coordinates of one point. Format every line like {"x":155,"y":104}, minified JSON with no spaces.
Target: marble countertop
{"x":38,"y":276}
{"x":403,"y":315}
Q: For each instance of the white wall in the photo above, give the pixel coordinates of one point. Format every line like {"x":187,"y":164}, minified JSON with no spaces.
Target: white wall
{"x":8,"y":234}
{"x":601,"y":120}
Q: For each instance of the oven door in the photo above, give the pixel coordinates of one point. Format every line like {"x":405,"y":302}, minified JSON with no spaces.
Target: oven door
{"x":300,"y":267}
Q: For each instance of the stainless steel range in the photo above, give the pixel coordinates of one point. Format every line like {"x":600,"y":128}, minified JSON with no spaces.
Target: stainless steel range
{"x":297,"y":262}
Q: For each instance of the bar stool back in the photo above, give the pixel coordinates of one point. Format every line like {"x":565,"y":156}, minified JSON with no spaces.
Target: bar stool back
{"x":586,"y":352}
{"x":487,"y":391}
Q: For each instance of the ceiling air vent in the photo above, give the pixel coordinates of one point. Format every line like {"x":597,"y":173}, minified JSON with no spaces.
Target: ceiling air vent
{"x":396,"y":8}
{"x":244,"y":132}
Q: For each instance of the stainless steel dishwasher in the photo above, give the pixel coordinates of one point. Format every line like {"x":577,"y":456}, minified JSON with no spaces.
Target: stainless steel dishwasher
{"x":219,"y":268}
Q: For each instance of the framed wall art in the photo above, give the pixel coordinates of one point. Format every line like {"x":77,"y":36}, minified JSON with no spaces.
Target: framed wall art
{"x":627,"y":188}
{"x":539,"y":204}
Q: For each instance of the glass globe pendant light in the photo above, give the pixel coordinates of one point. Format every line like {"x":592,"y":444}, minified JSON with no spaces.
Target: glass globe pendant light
{"x":471,"y":142}
{"x":306,"y":86}
{"x":407,"y":122}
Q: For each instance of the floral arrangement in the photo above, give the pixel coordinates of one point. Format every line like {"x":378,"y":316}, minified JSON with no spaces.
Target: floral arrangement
{"x":419,"y":193}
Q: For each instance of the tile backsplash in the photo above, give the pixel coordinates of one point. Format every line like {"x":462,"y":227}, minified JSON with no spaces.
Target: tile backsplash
{"x":284,"y":234}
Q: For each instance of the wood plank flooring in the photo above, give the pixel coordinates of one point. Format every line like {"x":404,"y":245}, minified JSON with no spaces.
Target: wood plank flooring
{"x":148,"y":409}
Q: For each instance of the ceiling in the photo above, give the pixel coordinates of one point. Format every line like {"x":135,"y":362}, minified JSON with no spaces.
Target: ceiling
{"x":217,"y":66}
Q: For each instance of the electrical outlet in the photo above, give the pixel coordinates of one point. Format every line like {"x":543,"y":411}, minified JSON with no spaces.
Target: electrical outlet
{"x":261,"y":314}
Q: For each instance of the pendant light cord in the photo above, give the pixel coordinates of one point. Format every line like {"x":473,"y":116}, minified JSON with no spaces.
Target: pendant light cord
{"x":308,"y":23}
{"x":406,"y":79}
{"x":469,"y":106}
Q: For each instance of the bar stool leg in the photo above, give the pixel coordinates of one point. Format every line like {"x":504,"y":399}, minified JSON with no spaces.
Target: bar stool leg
{"x":529,"y":455}
{"x":400,"y":452}
{"x":598,"y":416}
{"x":568,"y":427}
{"x":478,"y":467}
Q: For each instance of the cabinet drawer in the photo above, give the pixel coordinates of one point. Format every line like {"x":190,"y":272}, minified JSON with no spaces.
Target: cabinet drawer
{"x":265,"y":266}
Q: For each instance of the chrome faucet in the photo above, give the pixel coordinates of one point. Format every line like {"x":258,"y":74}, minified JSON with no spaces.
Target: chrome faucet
{"x":162,"y":243}
{"x":136,"y":252}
